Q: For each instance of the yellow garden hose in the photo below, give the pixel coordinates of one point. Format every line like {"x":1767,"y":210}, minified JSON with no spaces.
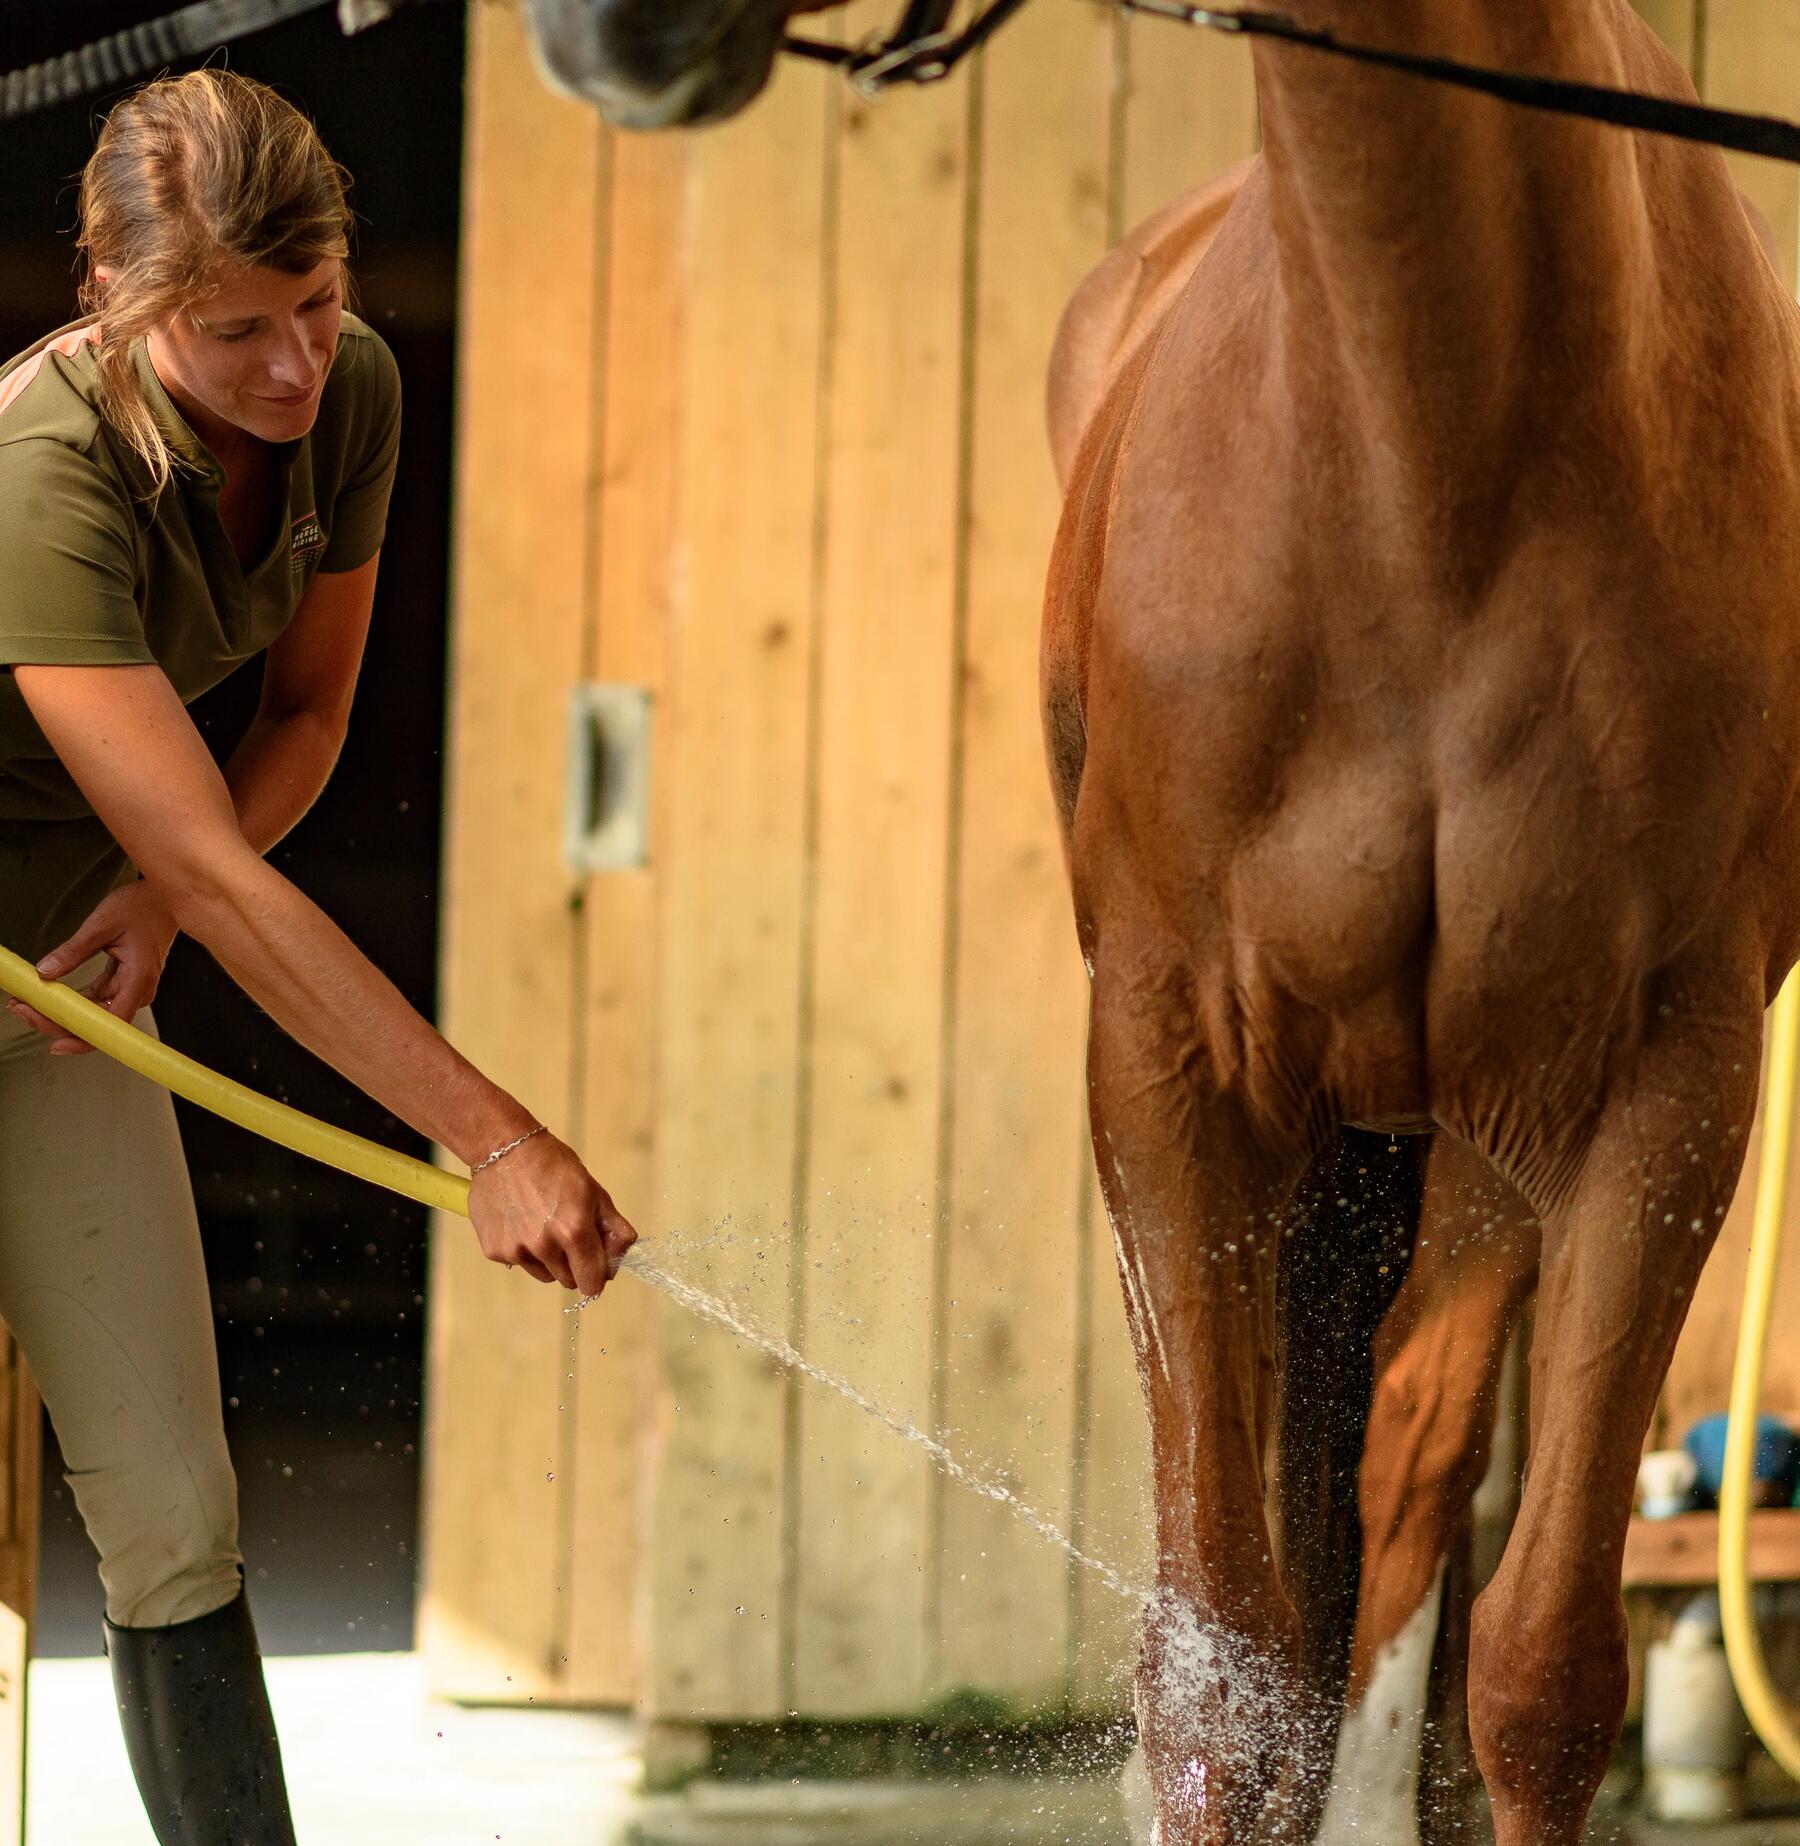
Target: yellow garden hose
{"x":1743,"y":1645}
{"x":381,"y":1166}
{"x":262,"y":1115}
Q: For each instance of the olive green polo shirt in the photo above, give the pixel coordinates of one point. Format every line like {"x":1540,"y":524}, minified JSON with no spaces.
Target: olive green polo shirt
{"x":93,"y":573}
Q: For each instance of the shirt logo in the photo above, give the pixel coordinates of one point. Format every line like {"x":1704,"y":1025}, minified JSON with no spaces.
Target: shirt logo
{"x":307,"y":543}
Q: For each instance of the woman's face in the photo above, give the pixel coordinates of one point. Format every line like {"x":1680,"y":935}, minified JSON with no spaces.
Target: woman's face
{"x":252,"y":356}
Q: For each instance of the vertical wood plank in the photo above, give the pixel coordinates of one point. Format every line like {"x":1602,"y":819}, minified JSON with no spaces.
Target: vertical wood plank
{"x":1190,"y":111}
{"x":1674,"y":22}
{"x":1750,"y":59}
{"x":634,"y":521}
{"x":490,"y":1617}
{"x":737,"y":737}
{"x":876,"y":1050}
{"x":1018,"y":1018}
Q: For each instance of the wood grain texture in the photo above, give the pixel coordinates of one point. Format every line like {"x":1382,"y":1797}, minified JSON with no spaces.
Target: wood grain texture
{"x":1675,"y":22}
{"x":1018,"y":1010}
{"x":1190,"y":111}
{"x":1750,"y":59}
{"x":492,"y":1620}
{"x":875,"y":1049}
{"x":607,"y":1446}
{"x":735,"y":768}
{"x":1684,"y":1551}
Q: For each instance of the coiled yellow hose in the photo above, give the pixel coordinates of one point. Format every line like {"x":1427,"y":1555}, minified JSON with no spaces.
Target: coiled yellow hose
{"x":262,"y":1115}
{"x":1763,"y":1704}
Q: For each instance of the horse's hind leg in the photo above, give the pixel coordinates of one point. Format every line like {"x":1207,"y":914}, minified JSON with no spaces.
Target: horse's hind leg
{"x":1624,"y":1241}
{"x":1438,"y":1359}
{"x":1195,"y":1196}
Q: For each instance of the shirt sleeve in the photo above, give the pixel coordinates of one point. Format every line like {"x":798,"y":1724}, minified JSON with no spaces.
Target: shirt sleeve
{"x":359,"y":516}
{"x":68,"y":561}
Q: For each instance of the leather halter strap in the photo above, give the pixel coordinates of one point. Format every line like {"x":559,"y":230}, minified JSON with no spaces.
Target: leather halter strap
{"x":921,"y":49}
{"x":905,"y":58}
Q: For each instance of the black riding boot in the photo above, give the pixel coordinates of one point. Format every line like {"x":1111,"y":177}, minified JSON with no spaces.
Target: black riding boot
{"x":199,"y":1732}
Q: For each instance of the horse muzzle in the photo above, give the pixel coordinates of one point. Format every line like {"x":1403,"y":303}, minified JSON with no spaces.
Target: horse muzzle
{"x":649,"y":64}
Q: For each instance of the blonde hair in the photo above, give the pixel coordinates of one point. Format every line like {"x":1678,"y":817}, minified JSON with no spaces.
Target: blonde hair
{"x":192,"y":174}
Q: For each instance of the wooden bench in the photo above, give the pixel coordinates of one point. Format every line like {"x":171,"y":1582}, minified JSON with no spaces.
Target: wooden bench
{"x":1684,"y":1550}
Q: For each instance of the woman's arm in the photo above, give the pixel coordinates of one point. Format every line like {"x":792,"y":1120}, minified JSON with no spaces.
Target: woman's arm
{"x":125,"y":737}
{"x":133,"y":751}
{"x":309,"y":679}
{"x":275,"y":774}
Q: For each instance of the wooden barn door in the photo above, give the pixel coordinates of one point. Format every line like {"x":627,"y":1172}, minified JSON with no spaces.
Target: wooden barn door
{"x":751,"y":427}
{"x":783,"y":469}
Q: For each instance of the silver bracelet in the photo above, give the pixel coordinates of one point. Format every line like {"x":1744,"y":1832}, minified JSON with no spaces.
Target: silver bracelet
{"x":500,"y":1153}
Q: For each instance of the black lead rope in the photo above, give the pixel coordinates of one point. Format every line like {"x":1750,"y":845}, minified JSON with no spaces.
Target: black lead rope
{"x":924,"y":50}
{"x":900,"y":59}
{"x":1767,"y":135}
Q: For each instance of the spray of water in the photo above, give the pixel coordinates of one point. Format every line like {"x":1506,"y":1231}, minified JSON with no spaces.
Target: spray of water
{"x":1213,"y":1697}
{"x":722,"y":1314}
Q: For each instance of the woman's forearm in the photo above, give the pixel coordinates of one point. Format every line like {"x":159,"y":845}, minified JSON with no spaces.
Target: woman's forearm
{"x":284,"y":951}
{"x":277,"y":771}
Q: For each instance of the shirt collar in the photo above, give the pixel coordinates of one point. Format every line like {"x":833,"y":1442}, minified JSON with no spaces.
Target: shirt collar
{"x":183,"y":443}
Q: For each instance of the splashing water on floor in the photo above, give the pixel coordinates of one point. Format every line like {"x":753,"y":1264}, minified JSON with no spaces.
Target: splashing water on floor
{"x":722,"y":1314}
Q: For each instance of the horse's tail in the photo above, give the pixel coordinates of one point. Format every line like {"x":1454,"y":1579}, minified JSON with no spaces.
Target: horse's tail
{"x":1351,"y":1236}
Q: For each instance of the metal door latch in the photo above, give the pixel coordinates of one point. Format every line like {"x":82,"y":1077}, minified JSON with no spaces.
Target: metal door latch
{"x":607,"y":820}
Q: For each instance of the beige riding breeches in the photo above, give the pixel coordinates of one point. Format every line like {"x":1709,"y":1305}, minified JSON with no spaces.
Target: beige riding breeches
{"x":103,"y":1285}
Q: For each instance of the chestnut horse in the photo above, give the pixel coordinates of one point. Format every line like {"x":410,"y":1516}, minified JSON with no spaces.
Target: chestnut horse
{"x":1423,"y":710}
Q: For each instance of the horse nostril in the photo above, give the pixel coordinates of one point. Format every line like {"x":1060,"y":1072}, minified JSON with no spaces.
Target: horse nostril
{"x":657,"y":63}
{"x":643,"y":46}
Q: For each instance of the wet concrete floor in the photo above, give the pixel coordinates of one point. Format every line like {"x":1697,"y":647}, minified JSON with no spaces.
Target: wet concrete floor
{"x":372,"y":1762}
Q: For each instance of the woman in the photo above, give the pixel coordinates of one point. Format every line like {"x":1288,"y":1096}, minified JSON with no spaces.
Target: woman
{"x":196,"y":474}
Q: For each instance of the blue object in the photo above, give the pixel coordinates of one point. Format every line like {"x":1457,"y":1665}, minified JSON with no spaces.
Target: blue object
{"x":1777,"y":1456}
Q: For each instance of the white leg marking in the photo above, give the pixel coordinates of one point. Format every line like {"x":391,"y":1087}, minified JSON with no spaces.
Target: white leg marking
{"x":1374,"y":1799}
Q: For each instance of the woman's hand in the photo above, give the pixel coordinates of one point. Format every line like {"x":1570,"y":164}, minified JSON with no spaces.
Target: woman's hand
{"x":134,"y":929}
{"x":541,"y":1209}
